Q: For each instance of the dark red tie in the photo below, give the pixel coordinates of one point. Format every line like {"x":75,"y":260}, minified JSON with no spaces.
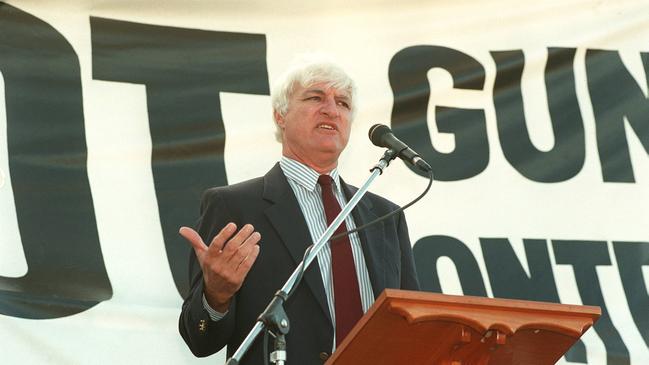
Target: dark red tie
{"x":347,"y":297}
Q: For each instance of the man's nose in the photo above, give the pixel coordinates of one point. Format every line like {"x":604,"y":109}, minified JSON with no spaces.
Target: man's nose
{"x":330,"y":108}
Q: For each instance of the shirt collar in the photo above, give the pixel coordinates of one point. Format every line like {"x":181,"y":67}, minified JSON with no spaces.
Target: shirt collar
{"x":304,"y":175}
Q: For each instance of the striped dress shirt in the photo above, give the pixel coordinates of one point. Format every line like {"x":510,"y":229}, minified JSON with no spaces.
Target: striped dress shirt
{"x":304,"y":183}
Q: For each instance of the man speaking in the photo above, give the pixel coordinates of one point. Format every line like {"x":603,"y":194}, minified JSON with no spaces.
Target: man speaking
{"x":252,"y":235}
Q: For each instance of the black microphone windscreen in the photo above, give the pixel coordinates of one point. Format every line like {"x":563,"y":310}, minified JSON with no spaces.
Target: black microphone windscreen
{"x":376,"y":134}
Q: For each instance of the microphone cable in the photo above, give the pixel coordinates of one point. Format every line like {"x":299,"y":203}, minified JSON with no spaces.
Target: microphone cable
{"x":300,"y":276}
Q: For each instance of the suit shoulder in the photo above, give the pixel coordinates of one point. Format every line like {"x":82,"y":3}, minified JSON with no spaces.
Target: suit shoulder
{"x":381,"y":201}
{"x":244,"y":188}
{"x":236,"y":201}
{"x":377,"y":201}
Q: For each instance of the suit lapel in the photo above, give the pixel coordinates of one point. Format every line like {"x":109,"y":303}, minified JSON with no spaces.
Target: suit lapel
{"x":372,"y":241}
{"x":287,"y":219}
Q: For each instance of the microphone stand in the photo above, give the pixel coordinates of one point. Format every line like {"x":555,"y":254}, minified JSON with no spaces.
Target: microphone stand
{"x":274,"y":318}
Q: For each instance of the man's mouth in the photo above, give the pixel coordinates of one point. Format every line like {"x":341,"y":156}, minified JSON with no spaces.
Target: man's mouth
{"x":327,"y":127}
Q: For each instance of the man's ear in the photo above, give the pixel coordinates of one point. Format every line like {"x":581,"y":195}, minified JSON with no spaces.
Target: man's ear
{"x":279,"y":120}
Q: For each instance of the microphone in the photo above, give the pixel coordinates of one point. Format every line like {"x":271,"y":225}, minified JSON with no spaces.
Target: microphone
{"x":382,"y":136}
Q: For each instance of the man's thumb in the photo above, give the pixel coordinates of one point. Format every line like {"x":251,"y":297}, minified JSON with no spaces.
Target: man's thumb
{"x":193,"y":238}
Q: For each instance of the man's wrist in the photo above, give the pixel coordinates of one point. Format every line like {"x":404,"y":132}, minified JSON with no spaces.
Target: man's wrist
{"x":214,"y":314}
{"x":214,"y":302}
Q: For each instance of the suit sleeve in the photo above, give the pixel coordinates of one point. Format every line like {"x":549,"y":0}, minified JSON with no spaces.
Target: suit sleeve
{"x":204,"y":336}
{"x":409,"y":279}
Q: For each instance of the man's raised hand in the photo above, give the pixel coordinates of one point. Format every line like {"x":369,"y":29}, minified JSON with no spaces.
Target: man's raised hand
{"x":225,"y":262}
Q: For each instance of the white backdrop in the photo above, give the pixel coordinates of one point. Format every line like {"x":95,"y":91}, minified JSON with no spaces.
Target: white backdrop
{"x":139,"y":323}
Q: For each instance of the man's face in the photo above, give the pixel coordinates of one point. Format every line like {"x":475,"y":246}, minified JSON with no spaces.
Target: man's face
{"x":316,"y":126}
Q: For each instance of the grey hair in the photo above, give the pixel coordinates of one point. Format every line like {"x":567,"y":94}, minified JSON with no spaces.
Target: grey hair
{"x":306,"y":73}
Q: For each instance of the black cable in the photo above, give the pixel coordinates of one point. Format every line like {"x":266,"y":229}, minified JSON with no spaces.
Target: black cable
{"x":357,"y":229}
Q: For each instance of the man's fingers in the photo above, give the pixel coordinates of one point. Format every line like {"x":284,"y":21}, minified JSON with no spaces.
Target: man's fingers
{"x":233,"y":244}
{"x":247,"y":262}
{"x":243,"y":250}
{"x":193,"y":238}
{"x":220,"y":239}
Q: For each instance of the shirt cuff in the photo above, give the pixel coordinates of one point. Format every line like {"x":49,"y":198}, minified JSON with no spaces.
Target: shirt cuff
{"x":214,"y":314}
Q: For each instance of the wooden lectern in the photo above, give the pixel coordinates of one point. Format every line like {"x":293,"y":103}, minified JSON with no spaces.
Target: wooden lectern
{"x":407,"y":327}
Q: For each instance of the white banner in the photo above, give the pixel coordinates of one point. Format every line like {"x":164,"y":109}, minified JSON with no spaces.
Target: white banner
{"x":534,"y":116}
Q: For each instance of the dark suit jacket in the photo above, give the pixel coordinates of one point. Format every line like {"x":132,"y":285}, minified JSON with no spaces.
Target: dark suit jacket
{"x":269,"y":204}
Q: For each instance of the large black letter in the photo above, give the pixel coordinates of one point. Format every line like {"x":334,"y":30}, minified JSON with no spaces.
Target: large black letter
{"x":509,"y":279}
{"x":615,"y":96}
{"x":183,"y":70}
{"x":584,"y":256}
{"x":631,"y":256}
{"x":566,"y":158}
{"x":47,"y":163}
{"x":429,"y":249}
{"x":409,"y":81}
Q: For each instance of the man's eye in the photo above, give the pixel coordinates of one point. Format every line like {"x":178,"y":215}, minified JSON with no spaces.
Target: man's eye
{"x":344,"y":104}
{"x":315,"y":98}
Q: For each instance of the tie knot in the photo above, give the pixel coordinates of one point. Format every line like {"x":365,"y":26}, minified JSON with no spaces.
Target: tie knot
{"x":325,"y":180}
